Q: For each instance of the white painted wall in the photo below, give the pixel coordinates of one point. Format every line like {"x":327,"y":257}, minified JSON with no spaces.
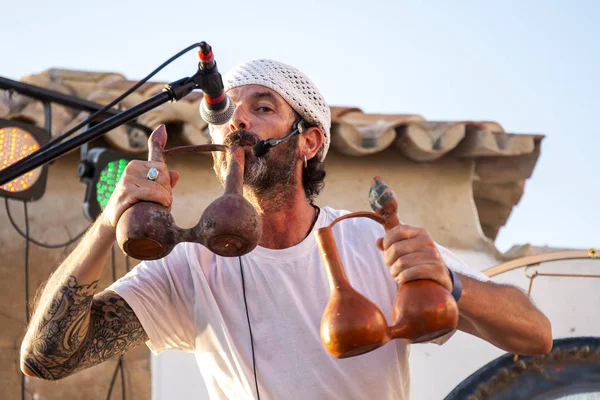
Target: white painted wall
{"x":570,"y":303}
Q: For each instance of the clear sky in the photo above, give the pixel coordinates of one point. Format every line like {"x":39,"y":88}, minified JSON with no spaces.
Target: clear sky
{"x":532,"y":66}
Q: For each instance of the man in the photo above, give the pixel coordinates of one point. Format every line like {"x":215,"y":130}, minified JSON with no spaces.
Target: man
{"x":253,"y":321}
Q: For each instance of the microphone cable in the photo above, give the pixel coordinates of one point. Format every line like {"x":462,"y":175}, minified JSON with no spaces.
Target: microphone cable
{"x":91,"y":117}
{"x":249,"y":328}
{"x":120,"y":364}
{"x":25,"y":235}
{"x":316,"y":217}
{"x":27,"y":310}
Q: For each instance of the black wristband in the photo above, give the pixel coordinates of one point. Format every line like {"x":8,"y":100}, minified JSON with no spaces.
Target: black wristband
{"x":456,"y":285}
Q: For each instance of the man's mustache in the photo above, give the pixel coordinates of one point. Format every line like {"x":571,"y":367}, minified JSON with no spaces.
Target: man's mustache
{"x":241,"y":136}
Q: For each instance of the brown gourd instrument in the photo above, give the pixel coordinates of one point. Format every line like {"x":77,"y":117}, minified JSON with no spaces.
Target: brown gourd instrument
{"x":229,"y":226}
{"x":352,"y":324}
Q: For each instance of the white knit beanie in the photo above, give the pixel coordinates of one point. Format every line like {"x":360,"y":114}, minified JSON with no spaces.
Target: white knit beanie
{"x":291,"y":84}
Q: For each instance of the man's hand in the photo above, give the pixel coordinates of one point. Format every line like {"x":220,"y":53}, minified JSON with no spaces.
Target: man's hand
{"x":500,"y":314}
{"x":134,"y":186}
{"x":412,"y":254}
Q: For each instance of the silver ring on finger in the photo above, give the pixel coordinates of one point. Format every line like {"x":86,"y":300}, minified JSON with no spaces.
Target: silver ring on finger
{"x":152,"y":174}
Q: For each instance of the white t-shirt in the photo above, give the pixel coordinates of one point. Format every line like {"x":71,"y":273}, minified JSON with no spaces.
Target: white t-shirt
{"x":192,"y":300}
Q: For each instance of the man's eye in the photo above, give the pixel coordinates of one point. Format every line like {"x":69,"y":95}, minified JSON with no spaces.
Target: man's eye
{"x":264,"y":109}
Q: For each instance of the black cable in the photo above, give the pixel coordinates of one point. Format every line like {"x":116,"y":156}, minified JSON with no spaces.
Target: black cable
{"x":91,"y":117}
{"x":27,"y":240}
{"x":26,"y":283}
{"x":127,"y":269}
{"x":113,"y":263}
{"x":120,"y":363}
{"x":22,"y":386}
{"x":112,"y":382}
{"x":249,"y":328}
{"x":121,"y":360}
{"x":36,"y":242}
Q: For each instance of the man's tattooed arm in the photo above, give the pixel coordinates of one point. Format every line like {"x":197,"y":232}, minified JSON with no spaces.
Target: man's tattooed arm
{"x":72,"y":328}
{"x":78,"y":330}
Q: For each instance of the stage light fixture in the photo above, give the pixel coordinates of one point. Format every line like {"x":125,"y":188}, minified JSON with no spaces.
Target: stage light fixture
{"x":101,"y":169}
{"x":17,"y":140}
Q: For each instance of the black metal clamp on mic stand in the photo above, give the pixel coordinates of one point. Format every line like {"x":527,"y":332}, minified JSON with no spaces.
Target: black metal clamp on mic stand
{"x":172,"y":92}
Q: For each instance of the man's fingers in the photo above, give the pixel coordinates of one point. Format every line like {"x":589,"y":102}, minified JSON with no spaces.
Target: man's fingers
{"x":138,"y":169}
{"x":402,"y":248}
{"x":156,"y":193}
{"x":145,"y":190}
{"x":410,"y":260}
{"x":411,"y":254}
{"x":398,"y":233}
{"x":135,"y":186}
{"x":164,"y":176}
{"x":426,"y":271}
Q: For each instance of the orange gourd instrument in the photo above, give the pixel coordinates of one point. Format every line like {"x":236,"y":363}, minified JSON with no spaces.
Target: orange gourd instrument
{"x":351,"y":324}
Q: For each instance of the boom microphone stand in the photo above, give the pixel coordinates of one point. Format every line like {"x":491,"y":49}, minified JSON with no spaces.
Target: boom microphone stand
{"x":206,"y":80}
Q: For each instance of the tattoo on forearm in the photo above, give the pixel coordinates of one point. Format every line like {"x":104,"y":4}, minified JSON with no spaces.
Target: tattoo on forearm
{"x":79,"y":330}
{"x":61,"y":329}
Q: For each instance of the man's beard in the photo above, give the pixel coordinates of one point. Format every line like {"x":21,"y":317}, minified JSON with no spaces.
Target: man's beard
{"x":277,"y":168}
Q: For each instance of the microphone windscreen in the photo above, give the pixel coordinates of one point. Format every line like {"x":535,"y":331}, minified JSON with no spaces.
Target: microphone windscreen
{"x":217,"y":117}
{"x":260,"y":149}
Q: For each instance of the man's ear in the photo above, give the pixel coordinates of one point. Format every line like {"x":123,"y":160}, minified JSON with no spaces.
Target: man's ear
{"x":312,"y":141}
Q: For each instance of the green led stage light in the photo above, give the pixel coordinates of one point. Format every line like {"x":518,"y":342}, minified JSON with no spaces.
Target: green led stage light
{"x":18,"y":140}
{"x":101,"y":171}
{"x":108,"y":179}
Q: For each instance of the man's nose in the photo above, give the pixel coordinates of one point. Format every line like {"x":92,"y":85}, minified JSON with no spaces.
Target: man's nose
{"x":239,"y":120}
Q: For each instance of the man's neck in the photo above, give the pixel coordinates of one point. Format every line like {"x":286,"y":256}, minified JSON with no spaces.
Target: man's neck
{"x":286,"y":217}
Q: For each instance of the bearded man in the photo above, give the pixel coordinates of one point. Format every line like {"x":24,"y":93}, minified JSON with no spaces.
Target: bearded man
{"x":253,"y":321}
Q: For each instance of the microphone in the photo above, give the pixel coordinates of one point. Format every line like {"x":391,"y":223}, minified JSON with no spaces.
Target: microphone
{"x":216,"y":107}
{"x":261,"y":148}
